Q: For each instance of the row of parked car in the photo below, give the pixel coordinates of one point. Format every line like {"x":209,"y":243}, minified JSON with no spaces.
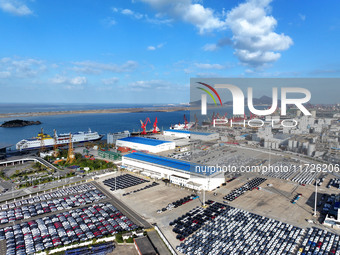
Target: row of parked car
{"x":55,"y":194}
{"x":144,"y":188}
{"x":178,"y":203}
{"x":319,"y":241}
{"x":123,"y":181}
{"x":306,"y":176}
{"x":190,"y":222}
{"x":62,"y":229}
{"x":237,"y":231}
{"x":52,"y":205}
{"x":253,"y":184}
{"x":335,"y":182}
{"x":288,"y":170}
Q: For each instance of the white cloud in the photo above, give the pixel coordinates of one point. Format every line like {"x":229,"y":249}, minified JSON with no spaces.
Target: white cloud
{"x":151,"y":48}
{"x":155,"y":47}
{"x":70,"y":83}
{"x":4,"y":74}
{"x":110,"y":81}
{"x":210,"y":47}
{"x":15,"y":7}
{"x":151,"y":85}
{"x":58,"y":79}
{"x":194,"y":13}
{"x":22,"y":68}
{"x":209,"y":66}
{"x":92,"y":67}
{"x":79,"y":80}
{"x":254,"y":39}
{"x":158,"y":19}
{"x":109,"y":22}
{"x":215,"y":46}
{"x":129,"y":12}
{"x":302,"y":17}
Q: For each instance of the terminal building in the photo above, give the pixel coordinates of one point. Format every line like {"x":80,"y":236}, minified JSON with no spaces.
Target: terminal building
{"x":3,"y":148}
{"x":145,"y":144}
{"x":179,"y":172}
{"x":113,"y":137}
{"x":179,"y":133}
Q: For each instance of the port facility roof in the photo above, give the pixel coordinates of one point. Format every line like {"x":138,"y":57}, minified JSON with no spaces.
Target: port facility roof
{"x":142,"y":140}
{"x":144,"y":246}
{"x":187,"y":132}
{"x":5,"y":145}
{"x":168,"y":162}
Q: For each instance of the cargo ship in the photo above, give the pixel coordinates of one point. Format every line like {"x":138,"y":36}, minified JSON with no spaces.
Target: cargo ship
{"x":61,"y":139}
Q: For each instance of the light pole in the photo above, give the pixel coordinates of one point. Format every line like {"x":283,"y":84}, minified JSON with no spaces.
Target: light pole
{"x":316,"y":196}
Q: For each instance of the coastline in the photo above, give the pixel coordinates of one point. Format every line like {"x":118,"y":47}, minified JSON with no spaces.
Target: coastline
{"x":125,"y":110}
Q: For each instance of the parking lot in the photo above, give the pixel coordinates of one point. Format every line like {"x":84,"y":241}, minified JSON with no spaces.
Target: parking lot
{"x":63,"y":205}
{"x":318,"y":241}
{"x":237,"y":231}
{"x":65,"y":228}
{"x":123,"y":181}
{"x":271,"y":203}
{"x":51,"y":202}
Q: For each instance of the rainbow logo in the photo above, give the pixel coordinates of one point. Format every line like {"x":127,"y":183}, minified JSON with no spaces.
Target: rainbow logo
{"x":209,"y":93}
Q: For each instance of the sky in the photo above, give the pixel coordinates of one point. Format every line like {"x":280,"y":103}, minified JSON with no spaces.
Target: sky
{"x":146,"y":51}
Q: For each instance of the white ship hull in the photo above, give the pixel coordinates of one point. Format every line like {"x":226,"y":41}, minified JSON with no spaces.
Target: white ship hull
{"x":62,"y":139}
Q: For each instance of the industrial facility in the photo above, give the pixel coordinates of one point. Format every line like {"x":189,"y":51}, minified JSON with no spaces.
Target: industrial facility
{"x":180,"y":133}
{"x":145,"y":144}
{"x":113,"y":137}
{"x":179,"y":172}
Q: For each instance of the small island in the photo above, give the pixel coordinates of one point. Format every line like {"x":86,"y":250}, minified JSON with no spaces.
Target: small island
{"x":19,"y":123}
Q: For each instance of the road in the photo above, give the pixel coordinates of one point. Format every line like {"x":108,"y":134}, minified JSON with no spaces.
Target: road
{"x":12,"y":194}
{"x":124,"y":209}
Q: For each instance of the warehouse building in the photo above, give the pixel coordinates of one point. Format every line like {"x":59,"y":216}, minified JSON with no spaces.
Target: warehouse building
{"x":191,"y":134}
{"x":145,"y":144}
{"x":179,"y":172}
{"x":3,"y":148}
{"x":113,"y":137}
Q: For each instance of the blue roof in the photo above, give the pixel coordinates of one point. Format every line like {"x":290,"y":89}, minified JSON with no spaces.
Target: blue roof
{"x":167,"y":162}
{"x":187,"y":132}
{"x":147,"y":141}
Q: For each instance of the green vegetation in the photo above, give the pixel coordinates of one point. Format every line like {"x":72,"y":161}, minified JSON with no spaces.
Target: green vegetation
{"x":129,"y":240}
{"x":92,"y":164}
{"x":3,"y":176}
{"x":119,"y":238}
{"x":38,"y":168}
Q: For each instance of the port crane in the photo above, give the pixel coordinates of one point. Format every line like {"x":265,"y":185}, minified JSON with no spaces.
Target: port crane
{"x":155,"y":126}
{"x":70,"y":154}
{"x":185,"y":122}
{"x":143,"y":125}
{"x":196,"y":121}
{"x":42,"y":142}
{"x":55,"y":146}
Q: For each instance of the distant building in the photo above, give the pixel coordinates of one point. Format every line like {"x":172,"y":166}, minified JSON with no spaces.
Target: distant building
{"x":3,"y":148}
{"x":113,"y":137}
{"x":144,"y":246}
{"x":333,"y":216}
{"x":179,"y":172}
{"x":146,"y":144}
{"x":191,"y":134}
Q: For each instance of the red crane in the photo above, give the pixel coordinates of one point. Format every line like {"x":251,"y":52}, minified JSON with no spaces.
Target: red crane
{"x":196,"y":121}
{"x":155,"y":126}
{"x":185,"y":122}
{"x":143,"y":125}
